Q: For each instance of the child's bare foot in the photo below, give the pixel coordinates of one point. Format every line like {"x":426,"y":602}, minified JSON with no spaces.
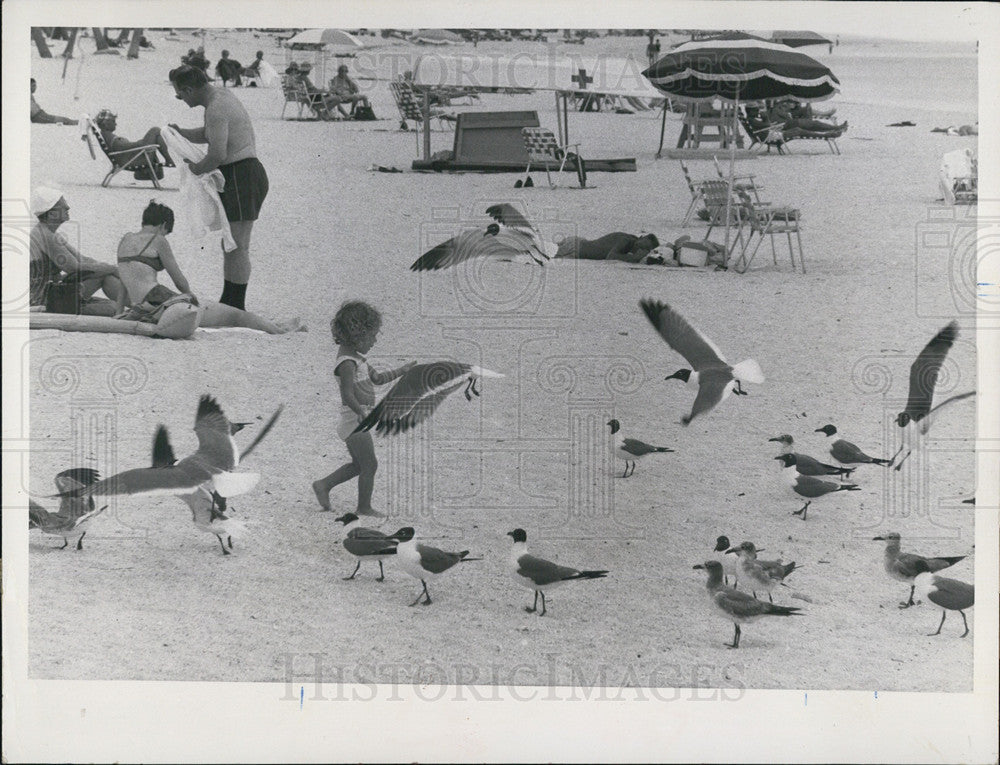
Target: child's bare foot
{"x":291,"y":325}
{"x":322,"y":494}
{"x":370,"y":512}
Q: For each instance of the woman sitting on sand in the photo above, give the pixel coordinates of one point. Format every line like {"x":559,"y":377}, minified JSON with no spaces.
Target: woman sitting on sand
{"x":615,"y":246}
{"x":143,"y":254}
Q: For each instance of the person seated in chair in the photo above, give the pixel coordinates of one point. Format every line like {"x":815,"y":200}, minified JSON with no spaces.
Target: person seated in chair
{"x":785,"y":112}
{"x":229,"y":69}
{"x":346,"y":89}
{"x":321,"y":101}
{"x":107,"y":123}
{"x":52,"y":258}
{"x":615,"y":246}
{"x":253,"y":70}
{"x":42,"y":117}
{"x":143,"y":254}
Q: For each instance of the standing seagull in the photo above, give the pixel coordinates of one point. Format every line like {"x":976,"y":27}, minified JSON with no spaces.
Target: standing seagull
{"x":762,"y":574}
{"x":210,"y":466}
{"x":539,"y":574}
{"x":419,"y":392}
{"x":736,"y":606}
{"x":366,"y":544}
{"x":809,"y":486}
{"x":424,"y":562}
{"x":950,"y":594}
{"x":512,"y":235}
{"x":847,"y":453}
{"x":630,"y":449}
{"x":729,"y":565}
{"x":807,"y":465}
{"x":74,"y":513}
{"x":905,"y":567}
{"x":715,"y":378}
{"x":916,"y":418}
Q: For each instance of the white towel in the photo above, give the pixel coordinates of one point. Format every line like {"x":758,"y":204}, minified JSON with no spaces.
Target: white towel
{"x":268,"y":76}
{"x":200,"y":205}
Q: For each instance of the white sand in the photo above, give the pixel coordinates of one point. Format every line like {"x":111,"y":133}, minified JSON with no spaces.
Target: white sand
{"x":152,"y":598}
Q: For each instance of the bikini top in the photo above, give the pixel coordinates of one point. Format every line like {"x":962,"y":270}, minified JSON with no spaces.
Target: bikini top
{"x":153,"y":261}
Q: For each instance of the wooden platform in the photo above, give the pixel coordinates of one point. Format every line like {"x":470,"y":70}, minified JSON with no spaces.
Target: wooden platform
{"x":708,"y":153}
{"x":623,"y":165}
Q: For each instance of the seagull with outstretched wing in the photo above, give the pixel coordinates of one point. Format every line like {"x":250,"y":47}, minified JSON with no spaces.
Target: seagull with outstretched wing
{"x":74,"y":514}
{"x":715,"y":378}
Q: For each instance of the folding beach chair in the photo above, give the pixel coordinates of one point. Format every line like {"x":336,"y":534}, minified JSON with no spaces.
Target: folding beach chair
{"x":295,"y":92}
{"x":765,"y":133}
{"x":410,"y":105}
{"x":764,"y":219}
{"x":718,"y":201}
{"x":142,"y":161}
{"x":697,"y":194}
{"x":543,"y":149}
{"x":740,"y":182}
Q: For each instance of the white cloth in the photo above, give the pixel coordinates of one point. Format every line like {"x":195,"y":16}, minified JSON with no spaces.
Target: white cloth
{"x":268,"y":76}
{"x":200,"y":205}
{"x":44,"y":198}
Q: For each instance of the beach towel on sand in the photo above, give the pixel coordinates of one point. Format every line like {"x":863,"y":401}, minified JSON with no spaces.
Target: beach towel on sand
{"x":200,"y":205}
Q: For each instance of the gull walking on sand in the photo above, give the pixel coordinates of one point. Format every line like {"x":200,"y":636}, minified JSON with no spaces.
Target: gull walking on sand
{"x":74,"y":514}
{"x":905,"y":567}
{"x":847,"y":453}
{"x":366,"y":544}
{"x":632,"y":450}
{"x":807,"y":465}
{"x":949,"y":594}
{"x":760,"y":574}
{"x":424,"y":562}
{"x":538,"y":574}
{"x":809,"y":486}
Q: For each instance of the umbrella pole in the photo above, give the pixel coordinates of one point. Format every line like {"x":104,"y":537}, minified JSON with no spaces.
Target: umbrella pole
{"x":732,"y":170}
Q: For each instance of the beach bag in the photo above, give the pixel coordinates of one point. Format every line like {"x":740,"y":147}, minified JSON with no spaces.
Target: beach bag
{"x":142,"y":173}
{"x":364,"y":113}
{"x":64,"y":297}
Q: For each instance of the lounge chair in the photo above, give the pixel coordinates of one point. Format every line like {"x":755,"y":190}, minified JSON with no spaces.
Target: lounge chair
{"x":740,"y":182}
{"x":543,"y":149}
{"x":142,"y":162}
{"x":410,"y":105}
{"x":719,"y":202}
{"x":764,"y":219}
{"x":697,"y":194}
{"x":762,"y":132}
{"x":830,"y":136}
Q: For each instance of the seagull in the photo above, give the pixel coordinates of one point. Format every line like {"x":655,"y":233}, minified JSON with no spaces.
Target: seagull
{"x":510,"y":236}
{"x":916,"y":418}
{"x":736,"y":606}
{"x":424,"y":562}
{"x":729,"y":565}
{"x":809,"y":486}
{"x":807,"y":465}
{"x":366,"y":544}
{"x":905,"y":567}
{"x":630,"y":449}
{"x":419,"y":392}
{"x":847,"y":453}
{"x":763,"y":574}
{"x":210,"y":466}
{"x":74,"y":514}
{"x":715,"y":378}
{"x":950,"y":594}
{"x":539,"y":574}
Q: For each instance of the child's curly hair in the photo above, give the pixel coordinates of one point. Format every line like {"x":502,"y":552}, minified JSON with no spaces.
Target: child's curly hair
{"x":353,"y":319}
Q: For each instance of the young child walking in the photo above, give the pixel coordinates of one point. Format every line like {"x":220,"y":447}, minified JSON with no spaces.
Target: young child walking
{"x":355,"y":329}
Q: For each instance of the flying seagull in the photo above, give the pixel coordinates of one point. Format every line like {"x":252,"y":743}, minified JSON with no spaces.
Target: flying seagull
{"x":366,"y":544}
{"x":809,"y":486}
{"x":419,"y":392}
{"x":847,"y":453}
{"x":761,"y":574}
{"x":905,"y":567}
{"x":715,"y":378}
{"x":539,"y":574}
{"x":510,"y":236}
{"x":807,"y":465}
{"x":916,"y":418}
{"x":736,"y":606}
{"x":211,"y":466}
{"x":74,"y":514}
{"x":630,"y":449}
{"x":949,"y":594}
{"x":424,"y":562}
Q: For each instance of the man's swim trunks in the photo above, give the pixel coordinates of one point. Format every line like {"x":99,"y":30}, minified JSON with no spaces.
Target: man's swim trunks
{"x":246,"y":187}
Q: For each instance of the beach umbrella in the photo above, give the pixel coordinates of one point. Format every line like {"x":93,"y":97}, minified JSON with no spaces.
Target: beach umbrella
{"x":436,"y":36}
{"x":326,"y":37}
{"x":737,"y":67}
{"x":799,"y":39}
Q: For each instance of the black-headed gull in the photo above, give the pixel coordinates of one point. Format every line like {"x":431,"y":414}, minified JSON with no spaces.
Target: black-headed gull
{"x":366,"y":544}
{"x":74,"y":514}
{"x":949,"y":594}
{"x":847,"y":453}
{"x":904,"y":567}
{"x":539,"y":574}
{"x":424,"y":562}
{"x":631,"y":450}
{"x":760,"y":574}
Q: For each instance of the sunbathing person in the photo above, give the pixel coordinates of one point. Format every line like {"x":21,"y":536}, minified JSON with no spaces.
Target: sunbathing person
{"x":107,"y":122}
{"x":785,"y":111}
{"x":346,"y":89}
{"x":52,"y":258}
{"x":144,"y":253}
{"x":42,"y":117}
{"x":614,"y":246}
{"x":963,"y":130}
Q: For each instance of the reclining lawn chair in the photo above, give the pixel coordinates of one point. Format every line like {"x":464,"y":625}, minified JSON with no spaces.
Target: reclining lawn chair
{"x":762,"y":132}
{"x":142,"y":162}
{"x":830,"y":136}
{"x":764,"y":219}
{"x":543,"y":149}
{"x":410,"y":105}
{"x":295,"y":92}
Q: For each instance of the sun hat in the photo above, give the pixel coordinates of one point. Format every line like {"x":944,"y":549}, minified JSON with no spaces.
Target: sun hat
{"x":44,"y":198}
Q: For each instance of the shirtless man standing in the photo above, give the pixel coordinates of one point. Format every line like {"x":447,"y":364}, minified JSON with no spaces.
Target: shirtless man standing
{"x":232,"y":150}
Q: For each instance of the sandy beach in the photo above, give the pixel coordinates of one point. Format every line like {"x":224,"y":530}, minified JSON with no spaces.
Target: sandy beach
{"x":151,"y":598}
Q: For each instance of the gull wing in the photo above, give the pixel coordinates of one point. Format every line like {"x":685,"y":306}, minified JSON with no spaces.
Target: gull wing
{"x":711,"y":390}
{"x":700,"y":352}
{"x":470,"y":243}
{"x":264,"y":431}
{"x":507,"y":215}
{"x":924,"y":371}
{"x":415,"y":396}
{"x":543,"y":572}
{"x":216,"y":446}
{"x":437,"y":561}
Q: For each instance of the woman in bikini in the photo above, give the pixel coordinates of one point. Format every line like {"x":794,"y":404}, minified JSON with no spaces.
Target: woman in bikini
{"x":141,"y":257}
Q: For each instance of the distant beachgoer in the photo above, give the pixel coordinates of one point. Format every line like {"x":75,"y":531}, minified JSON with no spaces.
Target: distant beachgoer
{"x":346,"y":89}
{"x":144,"y":253}
{"x":963,"y":130}
{"x":42,"y":117}
{"x":232,"y":149}
{"x":322,"y":101}
{"x":52,"y":258}
{"x":107,"y":121}
{"x":355,"y":329}
{"x":229,"y":69}
{"x":614,"y":246}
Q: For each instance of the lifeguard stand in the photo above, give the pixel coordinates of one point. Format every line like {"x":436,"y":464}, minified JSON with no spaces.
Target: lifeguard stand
{"x":704,"y":124}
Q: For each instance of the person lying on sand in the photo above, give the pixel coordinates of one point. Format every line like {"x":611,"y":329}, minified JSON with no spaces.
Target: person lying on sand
{"x":963,"y":130}
{"x":144,"y":253}
{"x":615,"y":246}
{"x":107,"y":122}
{"x":42,"y":117}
